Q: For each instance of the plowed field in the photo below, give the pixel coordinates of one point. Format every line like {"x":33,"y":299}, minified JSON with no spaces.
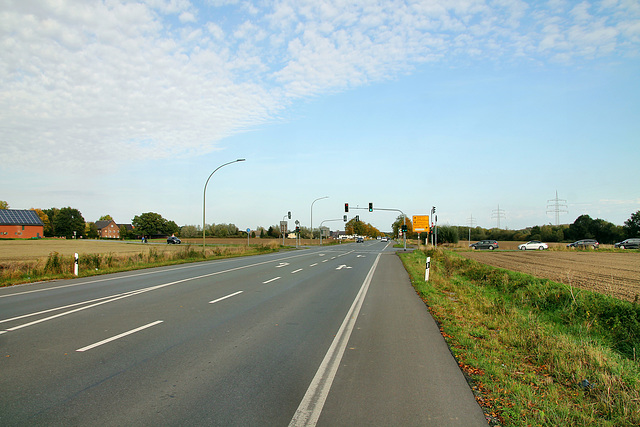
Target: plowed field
{"x":611,"y":273}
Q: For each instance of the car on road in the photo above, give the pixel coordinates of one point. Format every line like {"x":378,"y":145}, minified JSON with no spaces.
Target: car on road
{"x":173,"y":240}
{"x":585,"y":243}
{"x":384,"y":239}
{"x":533,"y":245}
{"x":485,"y":244}
{"x":628,"y":244}
{"x":359,"y":240}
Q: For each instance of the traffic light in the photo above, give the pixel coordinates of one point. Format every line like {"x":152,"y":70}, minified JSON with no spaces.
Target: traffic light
{"x":370,"y":207}
{"x":357,"y":218}
{"x":404,"y":228}
{"x":346,"y":207}
{"x":297,"y":229}
{"x":344,"y":218}
{"x":289,"y":214}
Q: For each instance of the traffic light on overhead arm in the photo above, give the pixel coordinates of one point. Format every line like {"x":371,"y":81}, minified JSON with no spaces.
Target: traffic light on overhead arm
{"x":346,"y":207}
{"x":370,"y":207}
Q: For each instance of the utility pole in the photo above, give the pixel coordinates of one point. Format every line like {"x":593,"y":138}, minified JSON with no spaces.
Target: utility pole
{"x":498,"y":214}
{"x":557,"y":207}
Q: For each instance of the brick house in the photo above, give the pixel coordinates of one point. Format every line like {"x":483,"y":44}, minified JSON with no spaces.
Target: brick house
{"x":108,"y":229}
{"x":20,"y":224}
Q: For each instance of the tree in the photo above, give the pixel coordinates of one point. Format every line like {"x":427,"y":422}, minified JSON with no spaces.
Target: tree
{"x":50,"y":228}
{"x":106,"y":218}
{"x":153,"y":224}
{"x":43,"y":217}
{"x":191,"y":231}
{"x":67,"y":221}
{"x":126,"y":233}
{"x":92,"y":230}
{"x":447,"y":234}
{"x":273,"y":231}
{"x":581,"y":228}
{"x":397,"y":226}
{"x":632,"y":226}
{"x":4,"y":205}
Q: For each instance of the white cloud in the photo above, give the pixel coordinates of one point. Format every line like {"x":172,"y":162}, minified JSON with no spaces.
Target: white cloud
{"x":83,"y":82}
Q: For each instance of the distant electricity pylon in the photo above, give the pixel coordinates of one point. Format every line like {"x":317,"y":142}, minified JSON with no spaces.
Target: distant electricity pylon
{"x":557,"y":208}
{"x":498,"y":214}
{"x":472,"y":222}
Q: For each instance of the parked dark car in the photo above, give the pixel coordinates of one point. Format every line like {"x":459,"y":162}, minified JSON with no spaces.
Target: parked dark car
{"x":628,"y":244}
{"x":585,"y":243}
{"x":173,"y":240}
{"x":485,"y":244}
{"x":359,"y":240}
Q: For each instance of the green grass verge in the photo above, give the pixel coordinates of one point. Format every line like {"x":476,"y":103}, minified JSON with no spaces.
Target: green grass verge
{"x":537,"y":352}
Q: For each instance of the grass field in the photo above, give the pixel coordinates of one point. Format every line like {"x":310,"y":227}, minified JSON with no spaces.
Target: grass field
{"x":24,"y":261}
{"x":538,"y":353}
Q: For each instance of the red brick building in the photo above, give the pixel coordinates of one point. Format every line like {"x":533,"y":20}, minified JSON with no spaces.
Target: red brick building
{"x":108,"y":229}
{"x":20,"y":224}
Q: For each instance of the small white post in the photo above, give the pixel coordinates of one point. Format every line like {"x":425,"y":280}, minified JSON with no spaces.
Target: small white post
{"x":75,"y":265}
{"x":426,"y":270}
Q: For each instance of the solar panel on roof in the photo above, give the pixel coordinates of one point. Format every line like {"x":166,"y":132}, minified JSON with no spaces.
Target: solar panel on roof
{"x":19,"y":217}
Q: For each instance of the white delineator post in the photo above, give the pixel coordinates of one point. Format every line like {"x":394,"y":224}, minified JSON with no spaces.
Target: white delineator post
{"x":426,"y":270}
{"x":75,"y":265}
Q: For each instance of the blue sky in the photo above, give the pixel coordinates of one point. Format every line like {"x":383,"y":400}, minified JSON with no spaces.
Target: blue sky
{"x":125,"y":107}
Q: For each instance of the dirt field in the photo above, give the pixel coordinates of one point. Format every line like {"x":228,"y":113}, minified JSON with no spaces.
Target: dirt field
{"x":612,"y":273}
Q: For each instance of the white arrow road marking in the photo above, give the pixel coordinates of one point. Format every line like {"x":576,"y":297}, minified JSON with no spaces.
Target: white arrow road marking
{"x":282,"y":264}
{"x":342,"y":266}
{"x":360,"y":256}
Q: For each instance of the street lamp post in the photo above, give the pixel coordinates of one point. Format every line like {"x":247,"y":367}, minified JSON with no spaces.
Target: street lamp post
{"x":319,"y":198}
{"x":204,"y":198}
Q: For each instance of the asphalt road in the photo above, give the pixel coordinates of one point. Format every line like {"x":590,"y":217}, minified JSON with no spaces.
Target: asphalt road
{"x":328,"y":336}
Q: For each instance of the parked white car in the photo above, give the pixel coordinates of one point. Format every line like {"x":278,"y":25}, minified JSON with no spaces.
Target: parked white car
{"x":533,"y":244}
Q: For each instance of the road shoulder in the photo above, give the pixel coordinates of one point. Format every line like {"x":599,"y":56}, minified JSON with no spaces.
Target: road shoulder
{"x":397,"y":369}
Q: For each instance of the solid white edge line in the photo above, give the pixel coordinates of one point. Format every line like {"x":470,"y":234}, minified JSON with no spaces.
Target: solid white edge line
{"x":124,"y":334}
{"x":271,"y":280}
{"x":310,"y":407}
{"x":225,"y":297}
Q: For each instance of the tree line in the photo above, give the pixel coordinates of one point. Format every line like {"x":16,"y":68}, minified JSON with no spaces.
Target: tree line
{"x":584,"y":227}
{"x":69,"y":222}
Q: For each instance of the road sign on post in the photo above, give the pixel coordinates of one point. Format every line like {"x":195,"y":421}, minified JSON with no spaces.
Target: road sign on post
{"x":421,"y":223}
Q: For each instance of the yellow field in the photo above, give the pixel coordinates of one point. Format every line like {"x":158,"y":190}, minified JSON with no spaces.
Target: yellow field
{"x":31,"y":250}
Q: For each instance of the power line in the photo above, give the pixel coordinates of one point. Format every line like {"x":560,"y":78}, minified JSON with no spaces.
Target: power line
{"x":557,"y":207}
{"x":471,"y":221}
{"x":498,"y":214}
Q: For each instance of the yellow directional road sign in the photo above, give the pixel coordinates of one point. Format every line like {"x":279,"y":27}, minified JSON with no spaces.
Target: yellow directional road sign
{"x":421,"y":223}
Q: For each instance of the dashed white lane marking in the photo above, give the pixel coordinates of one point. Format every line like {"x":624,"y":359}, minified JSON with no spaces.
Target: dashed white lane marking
{"x":124,"y":334}
{"x":225,"y":297}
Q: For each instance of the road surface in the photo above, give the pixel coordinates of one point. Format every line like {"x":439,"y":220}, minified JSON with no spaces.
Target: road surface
{"x":323,"y":336}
